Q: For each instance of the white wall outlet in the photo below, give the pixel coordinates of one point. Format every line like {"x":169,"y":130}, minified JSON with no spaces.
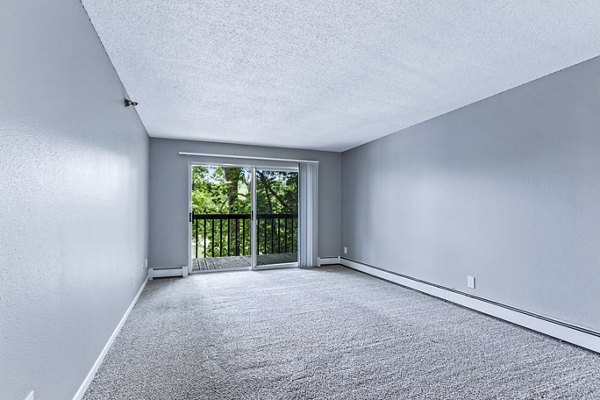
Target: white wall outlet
{"x":345,"y":250}
{"x":471,"y":281}
{"x":30,"y":396}
{"x":145,"y":265}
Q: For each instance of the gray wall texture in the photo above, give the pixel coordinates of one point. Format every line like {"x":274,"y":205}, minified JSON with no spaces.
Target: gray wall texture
{"x":506,"y":189}
{"x":73,"y":199}
{"x":169,"y":194}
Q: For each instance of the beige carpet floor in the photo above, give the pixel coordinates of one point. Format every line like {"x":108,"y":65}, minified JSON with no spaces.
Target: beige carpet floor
{"x":328,"y":333}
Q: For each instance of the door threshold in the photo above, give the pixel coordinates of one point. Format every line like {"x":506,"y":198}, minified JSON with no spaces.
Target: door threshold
{"x":276,"y":266}
{"x":210,"y":271}
{"x":258,"y":268}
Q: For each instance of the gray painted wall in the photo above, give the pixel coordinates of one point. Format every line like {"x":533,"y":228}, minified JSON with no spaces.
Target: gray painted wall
{"x":506,"y":189}
{"x":169,"y":194}
{"x":73,"y":199}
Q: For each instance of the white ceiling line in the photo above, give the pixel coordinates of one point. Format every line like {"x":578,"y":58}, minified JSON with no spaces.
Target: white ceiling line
{"x":185,"y":153}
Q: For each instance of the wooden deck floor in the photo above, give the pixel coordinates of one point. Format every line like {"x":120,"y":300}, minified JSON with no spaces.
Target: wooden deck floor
{"x":241,"y":262}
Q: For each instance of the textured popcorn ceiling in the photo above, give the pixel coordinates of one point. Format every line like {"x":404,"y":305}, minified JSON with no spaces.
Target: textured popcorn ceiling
{"x":331,"y":74}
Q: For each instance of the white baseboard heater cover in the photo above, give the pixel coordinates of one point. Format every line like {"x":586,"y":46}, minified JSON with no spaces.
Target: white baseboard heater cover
{"x":569,"y":333}
{"x":167,"y":272}
{"x":329,"y":260}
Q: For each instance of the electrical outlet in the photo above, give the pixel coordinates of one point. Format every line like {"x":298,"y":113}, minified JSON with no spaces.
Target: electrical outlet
{"x":471,"y":281}
{"x":345,"y":250}
{"x":145,"y":265}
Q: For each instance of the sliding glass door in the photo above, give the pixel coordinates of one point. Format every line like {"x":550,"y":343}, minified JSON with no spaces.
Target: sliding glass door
{"x":276,"y":217}
{"x":220,"y":217}
{"x":242,"y":218}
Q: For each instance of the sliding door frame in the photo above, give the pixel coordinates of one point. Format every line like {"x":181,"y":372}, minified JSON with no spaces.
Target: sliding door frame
{"x":253,"y":219}
{"x":191,"y":166}
{"x":255,"y":266}
{"x":253,"y":214}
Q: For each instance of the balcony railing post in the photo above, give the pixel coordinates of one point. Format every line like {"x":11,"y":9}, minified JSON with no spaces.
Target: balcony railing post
{"x":212,"y":241}
{"x":196,"y":239}
{"x":257,"y":233}
{"x":272,"y":234}
{"x":204,"y":253}
{"x":244,"y":236}
{"x":237,"y":237}
{"x":265,"y":237}
{"x":278,"y":237}
{"x":285,"y":235}
{"x":220,"y":238}
{"x":228,"y":236}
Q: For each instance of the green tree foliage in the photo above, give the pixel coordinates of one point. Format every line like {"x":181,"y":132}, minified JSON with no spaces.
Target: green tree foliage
{"x":221,"y":190}
{"x":276,"y":192}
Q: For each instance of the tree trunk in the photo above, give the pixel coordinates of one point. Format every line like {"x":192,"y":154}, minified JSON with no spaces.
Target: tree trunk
{"x":232,"y":178}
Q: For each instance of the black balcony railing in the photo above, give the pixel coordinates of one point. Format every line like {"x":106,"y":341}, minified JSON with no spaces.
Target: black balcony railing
{"x":221,"y":235}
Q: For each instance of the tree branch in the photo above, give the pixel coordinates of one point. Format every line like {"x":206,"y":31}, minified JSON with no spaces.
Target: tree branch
{"x":268,"y":187}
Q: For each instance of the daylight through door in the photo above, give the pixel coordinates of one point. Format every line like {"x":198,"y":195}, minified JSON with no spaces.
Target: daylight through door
{"x":230,"y":218}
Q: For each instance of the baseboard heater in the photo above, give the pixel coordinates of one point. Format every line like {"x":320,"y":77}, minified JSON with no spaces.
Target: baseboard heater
{"x":329,"y":260}
{"x":573,"y":334}
{"x":167,"y":272}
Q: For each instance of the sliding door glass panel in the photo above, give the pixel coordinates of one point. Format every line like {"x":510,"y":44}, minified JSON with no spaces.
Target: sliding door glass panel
{"x":276,"y":217}
{"x":220,"y":220}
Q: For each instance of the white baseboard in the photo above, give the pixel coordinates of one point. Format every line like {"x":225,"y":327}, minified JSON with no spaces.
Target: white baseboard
{"x":576,"y":335}
{"x":168,"y":272}
{"x":90,"y":376}
{"x":329,"y":260}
